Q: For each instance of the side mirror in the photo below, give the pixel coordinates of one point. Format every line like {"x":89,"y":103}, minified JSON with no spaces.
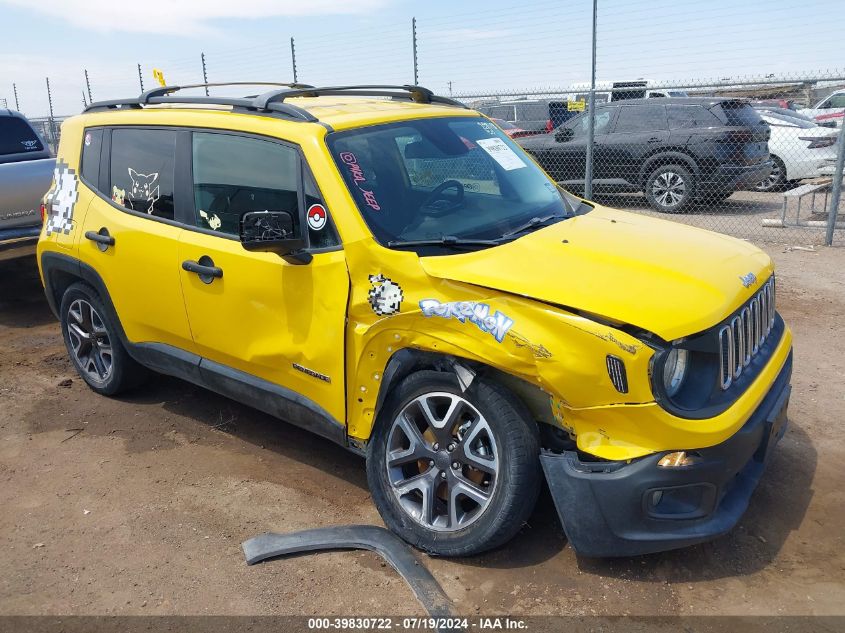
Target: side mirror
{"x":272,"y":232}
{"x":564,"y":134}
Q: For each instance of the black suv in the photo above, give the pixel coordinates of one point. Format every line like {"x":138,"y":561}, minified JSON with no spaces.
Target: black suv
{"x":677,"y":151}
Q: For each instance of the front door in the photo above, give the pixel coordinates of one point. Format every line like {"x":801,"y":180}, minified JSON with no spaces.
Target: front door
{"x":278,"y":321}
{"x":565,"y":158}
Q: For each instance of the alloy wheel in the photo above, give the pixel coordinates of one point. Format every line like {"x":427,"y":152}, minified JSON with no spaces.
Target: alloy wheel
{"x":772,"y":180}
{"x":442,"y":461}
{"x":89,"y":341}
{"x":668,"y":189}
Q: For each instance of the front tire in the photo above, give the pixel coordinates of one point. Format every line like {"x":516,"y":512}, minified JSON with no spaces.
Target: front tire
{"x":92,"y":343}
{"x":670,"y":188}
{"x":454,"y":472}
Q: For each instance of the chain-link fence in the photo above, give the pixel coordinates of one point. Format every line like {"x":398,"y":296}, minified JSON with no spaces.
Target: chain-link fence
{"x":755,"y":159}
{"x":751,"y":155}
{"x":50,"y":130}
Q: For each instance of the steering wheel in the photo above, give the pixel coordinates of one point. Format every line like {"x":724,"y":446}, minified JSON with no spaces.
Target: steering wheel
{"x":438,"y":204}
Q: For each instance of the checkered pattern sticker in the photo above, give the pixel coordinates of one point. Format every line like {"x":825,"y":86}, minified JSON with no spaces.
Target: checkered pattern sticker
{"x":61,"y":199}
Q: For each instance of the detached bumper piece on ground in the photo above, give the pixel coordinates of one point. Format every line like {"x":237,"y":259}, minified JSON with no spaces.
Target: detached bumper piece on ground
{"x":369,"y":537}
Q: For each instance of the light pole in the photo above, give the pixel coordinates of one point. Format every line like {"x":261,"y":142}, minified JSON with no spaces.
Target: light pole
{"x":591,"y":129}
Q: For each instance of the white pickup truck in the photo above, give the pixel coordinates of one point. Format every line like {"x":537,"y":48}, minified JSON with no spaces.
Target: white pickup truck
{"x":26,"y":170}
{"x":831,"y":108}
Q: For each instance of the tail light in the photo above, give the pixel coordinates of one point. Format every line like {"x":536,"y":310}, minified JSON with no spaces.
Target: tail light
{"x":43,"y":212}
{"x":738,"y":136}
{"x":549,"y":126}
{"x":819,"y":141}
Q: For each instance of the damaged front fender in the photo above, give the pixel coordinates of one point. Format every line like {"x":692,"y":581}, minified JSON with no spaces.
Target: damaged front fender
{"x":403,"y":320}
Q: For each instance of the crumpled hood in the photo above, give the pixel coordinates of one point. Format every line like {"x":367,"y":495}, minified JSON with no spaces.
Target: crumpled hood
{"x":668,"y":278}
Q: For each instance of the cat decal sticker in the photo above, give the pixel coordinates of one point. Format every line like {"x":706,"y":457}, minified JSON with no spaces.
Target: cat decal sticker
{"x":211,"y":219}
{"x":385,"y":296}
{"x":144,"y":191}
{"x":61,"y":199}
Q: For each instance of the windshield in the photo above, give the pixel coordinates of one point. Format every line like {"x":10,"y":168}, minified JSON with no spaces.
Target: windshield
{"x":460,"y":178}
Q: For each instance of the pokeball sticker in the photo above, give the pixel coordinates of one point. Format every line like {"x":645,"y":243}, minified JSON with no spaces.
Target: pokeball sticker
{"x":317,"y":217}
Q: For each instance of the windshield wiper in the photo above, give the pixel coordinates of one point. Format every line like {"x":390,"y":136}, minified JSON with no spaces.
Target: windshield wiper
{"x":533,"y":223}
{"x":450,"y":241}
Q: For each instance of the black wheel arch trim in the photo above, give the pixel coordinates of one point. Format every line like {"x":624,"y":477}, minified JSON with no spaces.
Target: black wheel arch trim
{"x":405,"y":362}
{"x":263,"y":395}
{"x":368,"y":537}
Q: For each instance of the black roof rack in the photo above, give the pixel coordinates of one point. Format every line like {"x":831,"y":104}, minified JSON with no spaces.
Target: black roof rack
{"x":273,"y":101}
{"x":417,"y":94}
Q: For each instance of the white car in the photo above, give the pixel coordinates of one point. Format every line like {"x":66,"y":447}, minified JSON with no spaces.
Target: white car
{"x":831,"y":108}
{"x":799,"y":150}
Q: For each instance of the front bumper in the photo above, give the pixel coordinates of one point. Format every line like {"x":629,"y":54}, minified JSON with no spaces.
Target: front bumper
{"x":18,"y":242}
{"x":630,"y":508}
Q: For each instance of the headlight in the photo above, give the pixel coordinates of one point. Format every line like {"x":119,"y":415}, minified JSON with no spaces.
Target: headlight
{"x":675,"y":370}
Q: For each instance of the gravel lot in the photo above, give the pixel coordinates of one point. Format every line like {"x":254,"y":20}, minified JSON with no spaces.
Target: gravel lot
{"x":138,"y":505}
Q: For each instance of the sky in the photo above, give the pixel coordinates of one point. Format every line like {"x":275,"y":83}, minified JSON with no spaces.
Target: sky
{"x":465,"y":47}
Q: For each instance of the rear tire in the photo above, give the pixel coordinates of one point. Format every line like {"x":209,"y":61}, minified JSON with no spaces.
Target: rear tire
{"x":93,"y":344}
{"x":670,"y":188}
{"x":774,"y":181}
{"x":466,"y":497}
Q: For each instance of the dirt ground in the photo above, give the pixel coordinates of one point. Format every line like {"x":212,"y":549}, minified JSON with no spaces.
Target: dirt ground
{"x":138,"y":505}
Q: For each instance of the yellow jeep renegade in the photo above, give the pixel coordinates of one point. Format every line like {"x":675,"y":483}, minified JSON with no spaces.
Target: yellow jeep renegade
{"x":386,"y":268}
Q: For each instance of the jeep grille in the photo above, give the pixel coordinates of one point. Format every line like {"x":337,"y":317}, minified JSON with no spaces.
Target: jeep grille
{"x":745,"y":333}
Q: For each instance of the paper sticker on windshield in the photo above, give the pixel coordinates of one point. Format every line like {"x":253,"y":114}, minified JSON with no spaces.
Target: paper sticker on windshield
{"x":501,"y":153}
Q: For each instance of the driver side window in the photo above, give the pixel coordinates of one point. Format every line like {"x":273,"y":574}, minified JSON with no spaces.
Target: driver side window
{"x":236,"y":174}
{"x":835,"y":101}
{"x":581,"y":127}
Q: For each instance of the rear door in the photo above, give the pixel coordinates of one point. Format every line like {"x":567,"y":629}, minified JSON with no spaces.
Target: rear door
{"x":640,"y":130}
{"x":135,"y":205}
{"x":276,"y":320}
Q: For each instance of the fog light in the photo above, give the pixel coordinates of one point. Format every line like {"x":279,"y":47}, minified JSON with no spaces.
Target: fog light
{"x":678,"y":459}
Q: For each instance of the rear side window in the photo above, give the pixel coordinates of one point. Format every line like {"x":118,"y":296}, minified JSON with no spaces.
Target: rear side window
{"x":236,"y":174}
{"x":17,"y":137}
{"x":687,"y":116}
{"x":91,"y":147}
{"x":737,"y":114}
{"x":141,"y":175}
{"x":642,"y":118}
